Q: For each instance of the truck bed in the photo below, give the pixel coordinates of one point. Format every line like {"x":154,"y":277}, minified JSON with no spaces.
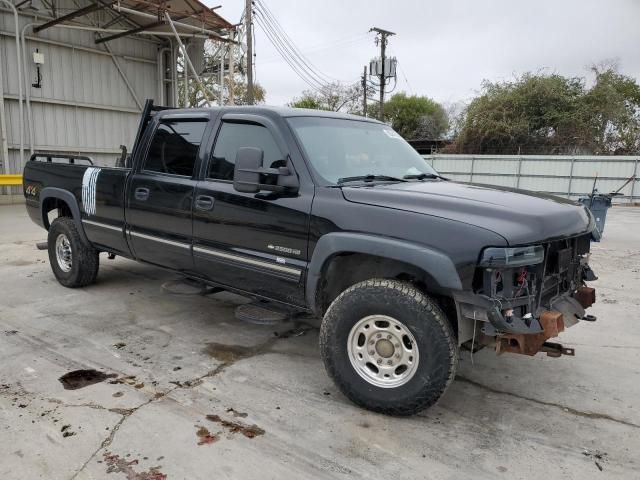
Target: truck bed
{"x":100,"y":203}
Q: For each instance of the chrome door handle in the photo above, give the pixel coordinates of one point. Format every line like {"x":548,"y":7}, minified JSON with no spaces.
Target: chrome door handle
{"x":141,"y":194}
{"x":204,"y":202}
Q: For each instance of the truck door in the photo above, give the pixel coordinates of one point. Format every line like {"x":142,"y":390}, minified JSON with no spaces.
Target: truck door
{"x":160,"y":193}
{"x":252,"y":242}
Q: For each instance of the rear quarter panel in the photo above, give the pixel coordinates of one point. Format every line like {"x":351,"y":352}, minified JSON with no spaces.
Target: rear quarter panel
{"x":98,"y":192}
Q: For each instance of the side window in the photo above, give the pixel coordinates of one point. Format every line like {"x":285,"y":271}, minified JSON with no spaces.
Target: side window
{"x":174,"y":147}
{"x":231,"y":137}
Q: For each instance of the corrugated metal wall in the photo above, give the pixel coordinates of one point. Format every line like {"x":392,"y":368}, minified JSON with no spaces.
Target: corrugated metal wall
{"x":84,"y":105}
{"x":568,"y":176}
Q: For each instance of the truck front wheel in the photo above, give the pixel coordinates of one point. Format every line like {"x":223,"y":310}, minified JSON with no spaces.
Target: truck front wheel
{"x":388,"y":347}
{"x":74,"y":263}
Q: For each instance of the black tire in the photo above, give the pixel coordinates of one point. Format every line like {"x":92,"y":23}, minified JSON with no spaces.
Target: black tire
{"x":433,"y":334}
{"x":84,"y":263}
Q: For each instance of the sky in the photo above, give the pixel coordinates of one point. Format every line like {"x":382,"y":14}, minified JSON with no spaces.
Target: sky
{"x":445,"y":48}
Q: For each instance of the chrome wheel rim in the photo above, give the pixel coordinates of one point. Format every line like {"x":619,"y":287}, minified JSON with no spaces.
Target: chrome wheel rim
{"x":63,"y":253}
{"x":383,"y":351}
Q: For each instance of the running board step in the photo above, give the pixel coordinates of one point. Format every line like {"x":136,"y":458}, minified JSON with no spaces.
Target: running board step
{"x":42,"y":245}
{"x":261,"y":313}
{"x":189,"y":286}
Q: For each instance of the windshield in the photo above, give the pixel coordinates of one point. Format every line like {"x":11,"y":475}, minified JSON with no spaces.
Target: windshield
{"x":343,"y":149}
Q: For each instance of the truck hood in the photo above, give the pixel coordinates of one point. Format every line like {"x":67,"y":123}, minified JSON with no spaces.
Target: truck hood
{"x":520,"y":216}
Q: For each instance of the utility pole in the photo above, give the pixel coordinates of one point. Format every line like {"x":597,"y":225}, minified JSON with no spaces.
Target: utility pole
{"x":232,"y":71}
{"x":364,"y":91}
{"x":248,"y":17}
{"x":382,"y":39}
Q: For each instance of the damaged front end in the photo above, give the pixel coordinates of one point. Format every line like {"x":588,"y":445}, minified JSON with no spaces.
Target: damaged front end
{"x":523,"y":296}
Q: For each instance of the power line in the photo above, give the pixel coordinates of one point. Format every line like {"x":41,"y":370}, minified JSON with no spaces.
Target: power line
{"x":301,"y":68}
{"x":285,"y":50}
{"x":291,"y":53}
{"x":320,"y":47}
{"x":289,"y":42}
{"x":309,"y":78}
{"x":312,"y":82}
{"x":404,"y":75}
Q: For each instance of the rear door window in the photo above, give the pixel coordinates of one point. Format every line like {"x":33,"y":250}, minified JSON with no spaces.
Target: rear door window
{"x":174,"y":147}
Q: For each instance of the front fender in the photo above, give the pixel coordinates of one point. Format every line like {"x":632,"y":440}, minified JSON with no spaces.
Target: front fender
{"x":434,"y":263}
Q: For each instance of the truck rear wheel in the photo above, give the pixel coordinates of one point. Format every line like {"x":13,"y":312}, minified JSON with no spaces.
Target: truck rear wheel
{"x":388,"y":347}
{"x":74,"y":263}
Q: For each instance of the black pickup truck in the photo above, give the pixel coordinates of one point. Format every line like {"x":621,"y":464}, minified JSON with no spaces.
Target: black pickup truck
{"x":333,"y":215}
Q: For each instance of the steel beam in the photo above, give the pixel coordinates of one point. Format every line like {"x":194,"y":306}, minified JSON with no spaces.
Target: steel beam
{"x":186,"y":26}
{"x":124,"y":77}
{"x":77,"y":47}
{"x":69,"y":16}
{"x":133,"y":31}
{"x":66,"y":103}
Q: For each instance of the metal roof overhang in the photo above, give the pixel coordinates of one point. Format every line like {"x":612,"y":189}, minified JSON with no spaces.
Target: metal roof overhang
{"x":188,"y":16}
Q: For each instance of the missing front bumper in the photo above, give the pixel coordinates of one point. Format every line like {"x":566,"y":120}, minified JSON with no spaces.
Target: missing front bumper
{"x":526,"y":336}
{"x":529,"y":344}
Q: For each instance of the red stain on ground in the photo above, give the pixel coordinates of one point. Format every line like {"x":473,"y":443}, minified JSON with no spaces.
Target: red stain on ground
{"x":120,"y":465}
{"x":249,"y":431}
{"x":205,"y":437}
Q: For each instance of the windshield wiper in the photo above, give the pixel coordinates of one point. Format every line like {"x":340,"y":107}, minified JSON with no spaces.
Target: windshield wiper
{"x":370,"y":178}
{"x":424,"y":176}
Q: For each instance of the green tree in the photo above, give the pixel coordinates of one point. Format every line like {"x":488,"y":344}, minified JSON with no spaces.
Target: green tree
{"x":307,"y":101}
{"x":414,"y":117}
{"x":335,"y":97}
{"x":240,"y":92}
{"x":612,"y":108}
{"x":553,"y":114}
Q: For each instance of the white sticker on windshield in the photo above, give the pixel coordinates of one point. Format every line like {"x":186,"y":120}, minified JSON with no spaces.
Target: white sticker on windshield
{"x":391,"y":133}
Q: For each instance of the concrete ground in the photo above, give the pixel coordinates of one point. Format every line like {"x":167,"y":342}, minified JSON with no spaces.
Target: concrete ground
{"x":194,"y":393}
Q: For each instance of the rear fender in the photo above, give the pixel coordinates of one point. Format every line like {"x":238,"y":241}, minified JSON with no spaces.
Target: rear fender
{"x":68,"y":198}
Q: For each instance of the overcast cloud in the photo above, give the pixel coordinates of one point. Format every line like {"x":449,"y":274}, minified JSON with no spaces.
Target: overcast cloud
{"x":446,"y":48}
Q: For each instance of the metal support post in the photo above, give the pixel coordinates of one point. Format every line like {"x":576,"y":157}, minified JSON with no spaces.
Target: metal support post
{"x":3,"y":127}
{"x":635,"y":180}
{"x":573,"y":160}
{"x":248,"y":12}
{"x":124,"y":76}
{"x":364,"y":91}
{"x":19,"y":69}
{"x":232,"y":72}
{"x":185,"y":73}
{"x":207,"y":95}
{"x":221,"y":78}
{"x":473,"y":161}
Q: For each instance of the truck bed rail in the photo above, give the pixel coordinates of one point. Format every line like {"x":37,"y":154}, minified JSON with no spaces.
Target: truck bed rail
{"x":59,"y":158}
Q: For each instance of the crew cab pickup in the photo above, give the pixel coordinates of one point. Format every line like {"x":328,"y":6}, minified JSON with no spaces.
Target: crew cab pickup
{"x":333,"y":215}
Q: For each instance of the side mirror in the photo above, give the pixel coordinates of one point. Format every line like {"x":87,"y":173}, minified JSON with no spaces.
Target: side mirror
{"x":246,"y":175}
{"x":249,"y":176}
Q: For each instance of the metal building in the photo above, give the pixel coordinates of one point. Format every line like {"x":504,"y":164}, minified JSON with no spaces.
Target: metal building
{"x":74,"y":74}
